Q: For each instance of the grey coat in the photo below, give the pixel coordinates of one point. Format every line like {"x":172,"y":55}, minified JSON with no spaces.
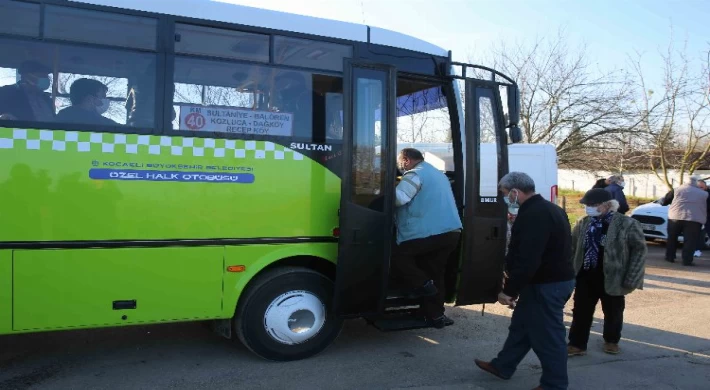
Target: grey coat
{"x":624,"y":253}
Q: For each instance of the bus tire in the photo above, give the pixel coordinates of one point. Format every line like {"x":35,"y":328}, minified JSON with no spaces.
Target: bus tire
{"x":287,"y":314}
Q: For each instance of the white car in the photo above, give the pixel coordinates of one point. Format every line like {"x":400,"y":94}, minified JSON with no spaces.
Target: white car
{"x":654,"y":221}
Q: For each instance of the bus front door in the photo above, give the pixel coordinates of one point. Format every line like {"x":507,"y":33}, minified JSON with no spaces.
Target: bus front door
{"x":367,"y":191}
{"x":485,"y":214}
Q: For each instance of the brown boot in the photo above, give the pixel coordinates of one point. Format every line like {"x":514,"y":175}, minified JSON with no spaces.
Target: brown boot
{"x":574,"y":351}
{"x":611,"y":348}
{"x":487,"y":367}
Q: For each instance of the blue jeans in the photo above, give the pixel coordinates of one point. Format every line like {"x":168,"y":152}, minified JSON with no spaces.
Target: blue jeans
{"x":537,"y":323}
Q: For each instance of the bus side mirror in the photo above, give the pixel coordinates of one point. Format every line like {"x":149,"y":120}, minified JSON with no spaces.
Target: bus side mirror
{"x":514,"y":132}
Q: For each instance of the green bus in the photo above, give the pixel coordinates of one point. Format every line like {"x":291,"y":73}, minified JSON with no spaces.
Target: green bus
{"x":194,"y":160}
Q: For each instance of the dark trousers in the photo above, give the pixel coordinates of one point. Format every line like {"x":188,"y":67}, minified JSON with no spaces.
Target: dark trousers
{"x":703,"y":232}
{"x":415,"y":262}
{"x":590,"y":289}
{"x":691,"y":233}
{"x":538,"y":324}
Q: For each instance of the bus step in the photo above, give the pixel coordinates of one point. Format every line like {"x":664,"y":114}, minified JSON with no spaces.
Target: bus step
{"x":398,"y":298}
{"x":401,"y":302}
{"x":402,"y":320}
{"x":406,"y":322}
{"x":396,"y":293}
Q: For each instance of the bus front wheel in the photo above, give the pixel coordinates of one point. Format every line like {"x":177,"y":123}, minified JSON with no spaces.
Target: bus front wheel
{"x":287,"y":314}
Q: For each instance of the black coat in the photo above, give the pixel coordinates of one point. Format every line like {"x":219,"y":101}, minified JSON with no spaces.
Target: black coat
{"x":13,"y":101}
{"x":601,"y":183}
{"x":540,"y":249}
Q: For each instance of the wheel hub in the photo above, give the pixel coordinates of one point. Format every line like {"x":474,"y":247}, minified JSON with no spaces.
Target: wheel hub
{"x":294,"y":317}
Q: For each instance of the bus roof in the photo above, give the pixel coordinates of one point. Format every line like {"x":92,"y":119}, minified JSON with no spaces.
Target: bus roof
{"x":220,"y":11}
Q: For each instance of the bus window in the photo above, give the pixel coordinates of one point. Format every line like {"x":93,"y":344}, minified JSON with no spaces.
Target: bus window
{"x":255,"y":100}
{"x":489,"y":148}
{"x":310,"y":54}
{"x":423,"y":122}
{"x":46,"y":97}
{"x":19,"y":18}
{"x":216,"y":42}
{"x":78,"y":25}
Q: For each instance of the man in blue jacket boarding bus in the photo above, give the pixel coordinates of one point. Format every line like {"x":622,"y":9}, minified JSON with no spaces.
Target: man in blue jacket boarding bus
{"x":428,"y":231}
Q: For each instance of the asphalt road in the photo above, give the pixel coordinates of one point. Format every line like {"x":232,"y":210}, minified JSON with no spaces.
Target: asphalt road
{"x":666,"y":345}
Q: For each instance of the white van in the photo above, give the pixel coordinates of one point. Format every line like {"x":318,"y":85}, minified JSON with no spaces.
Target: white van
{"x":537,"y":160}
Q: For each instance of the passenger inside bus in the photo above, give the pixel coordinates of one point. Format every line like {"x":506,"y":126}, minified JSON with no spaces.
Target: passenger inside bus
{"x":294,"y":96}
{"x":89,"y":103}
{"x":27,"y":100}
{"x":334,"y":112}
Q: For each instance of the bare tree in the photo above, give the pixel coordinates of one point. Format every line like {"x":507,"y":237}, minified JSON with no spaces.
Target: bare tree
{"x":564,"y":100}
{"x":422,"y":119}
{"x":676,"y":119}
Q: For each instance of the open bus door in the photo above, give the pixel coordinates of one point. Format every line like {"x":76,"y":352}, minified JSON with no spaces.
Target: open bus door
{"x":367,"y":191}
{"x":485,"y":214}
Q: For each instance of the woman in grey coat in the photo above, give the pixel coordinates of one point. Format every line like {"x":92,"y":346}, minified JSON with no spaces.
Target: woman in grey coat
{"x":609,"y":256}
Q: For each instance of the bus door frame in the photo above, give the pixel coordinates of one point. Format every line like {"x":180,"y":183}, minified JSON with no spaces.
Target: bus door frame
{"x":366,"y":231}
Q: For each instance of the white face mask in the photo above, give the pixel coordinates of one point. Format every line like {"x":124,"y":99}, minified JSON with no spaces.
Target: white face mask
{"x":513,"y":206}
{"x":592,"y":211}
{"x":622,"y":184}
{"x":103,"y":107}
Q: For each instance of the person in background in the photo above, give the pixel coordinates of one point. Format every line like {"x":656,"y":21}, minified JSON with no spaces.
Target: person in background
{"x":428,"y":231}
{"x":609,"y":251}
{"x":668,"y":198}
{"x":686,"y":215}
{"x":616,"y":188}
{"x":540,"y":276}
{"x":27,"y":100}
{"x":705,"y":231}
{"x":601,"y":183}
{"x":89,"y":103}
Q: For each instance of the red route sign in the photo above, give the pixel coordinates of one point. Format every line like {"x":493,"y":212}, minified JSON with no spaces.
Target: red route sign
{"x":195,"y":121}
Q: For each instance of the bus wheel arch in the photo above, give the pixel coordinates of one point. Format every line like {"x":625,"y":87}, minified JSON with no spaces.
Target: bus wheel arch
{"x":286,"y":311}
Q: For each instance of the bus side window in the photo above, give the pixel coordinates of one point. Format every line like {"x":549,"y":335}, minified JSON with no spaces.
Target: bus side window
{"x":66,"y":84}
{"x":256,"y":100}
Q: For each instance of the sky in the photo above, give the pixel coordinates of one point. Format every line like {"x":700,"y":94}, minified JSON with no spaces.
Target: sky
{"x":610,"y":30}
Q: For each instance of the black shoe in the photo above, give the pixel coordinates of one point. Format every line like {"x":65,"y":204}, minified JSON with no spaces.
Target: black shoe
{"x":670,"y":260}
{"x":689,"y":264}
{"x":427,"y":290}
{"x":440,"y":322}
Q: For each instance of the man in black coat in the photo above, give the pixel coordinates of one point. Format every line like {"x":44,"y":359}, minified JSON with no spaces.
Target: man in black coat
{"x":26,"y":100}
{"x":539,"y":282}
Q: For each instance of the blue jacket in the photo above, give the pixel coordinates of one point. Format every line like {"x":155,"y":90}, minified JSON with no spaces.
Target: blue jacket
{"x":432,"y":211}
{"x":617,"y":192}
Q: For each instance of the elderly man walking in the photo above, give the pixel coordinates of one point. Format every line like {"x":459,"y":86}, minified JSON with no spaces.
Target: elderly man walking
{"x":540,"y":276}
{"x":686,"y":215}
